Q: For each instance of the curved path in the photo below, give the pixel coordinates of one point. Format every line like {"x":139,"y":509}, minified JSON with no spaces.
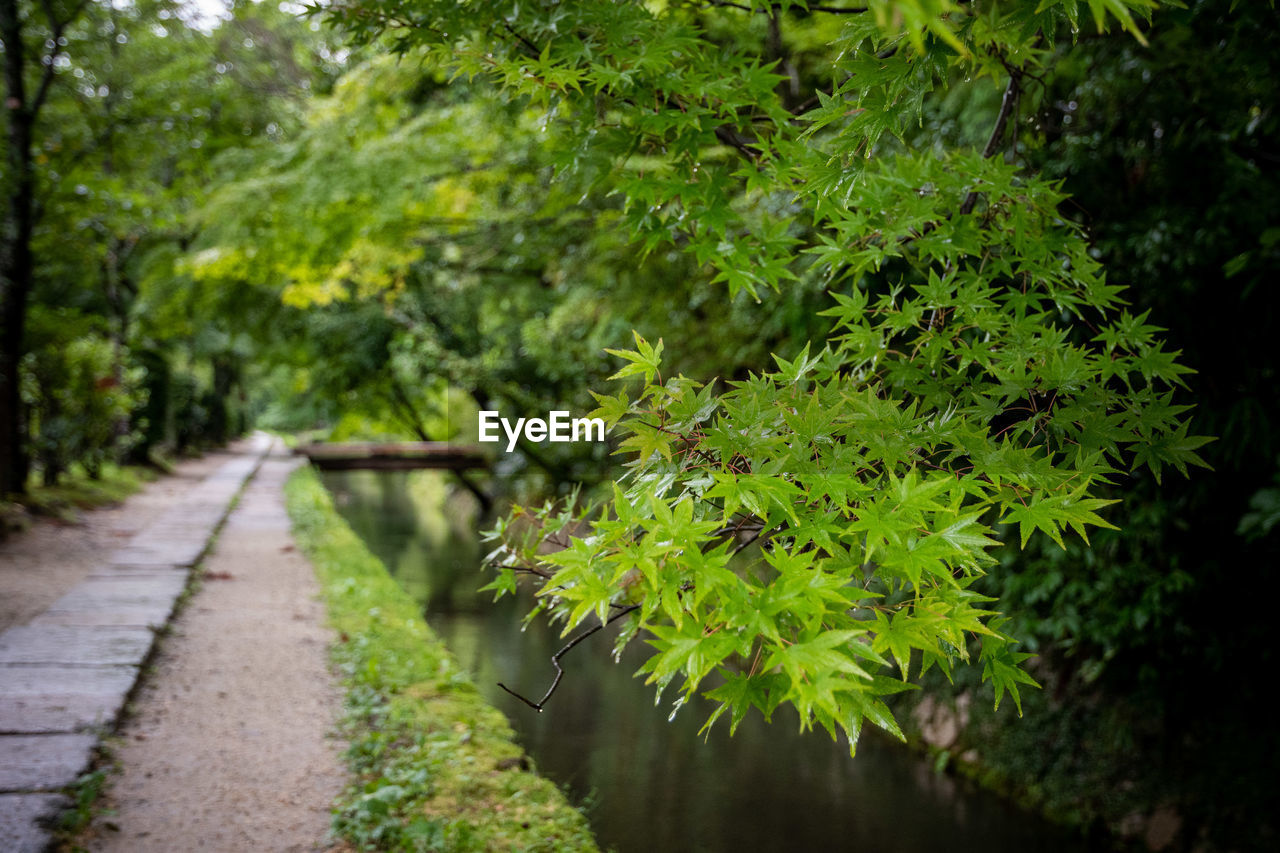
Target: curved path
{"x":227,"y":746}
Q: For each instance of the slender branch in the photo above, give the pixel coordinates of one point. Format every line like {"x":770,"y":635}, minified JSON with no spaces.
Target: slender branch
{"x":1006,"y":109}
{"x":534,"y":53}
{"x":418,"y":425}
{"x":56,"y":29}
{"x":777,"y":7}
{"x":755,"y":536}
{"x":555,"y":659}
{"x":729,"y":137}
{"x":997,"y":133}
{"x":542,"y":573}
{"x":1007,"y":104}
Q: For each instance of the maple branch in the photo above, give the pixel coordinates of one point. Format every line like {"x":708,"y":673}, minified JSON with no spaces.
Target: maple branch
{"x":777,"y":7}
{"x":731,"y":138}
{"x":530,"y":570}
{"x":555,"y":659}
{"x":997,"y":133}
{"x":534,"y":53}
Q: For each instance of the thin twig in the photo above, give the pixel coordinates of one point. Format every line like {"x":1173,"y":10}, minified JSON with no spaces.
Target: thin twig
{"x":534,"y":53}
{"x":777,"y":7}
{"x":997,"y":133}
{"x":555,"y":659}
{"x":531,"y":570}
{"x":729,"y":137}
{"x":761,"y":536}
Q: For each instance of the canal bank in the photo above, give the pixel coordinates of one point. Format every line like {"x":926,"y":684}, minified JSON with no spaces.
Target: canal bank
{"x":433,"y":764}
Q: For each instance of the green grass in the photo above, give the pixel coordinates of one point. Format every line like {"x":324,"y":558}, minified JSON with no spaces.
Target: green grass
{"x":84,"y":794}
{"x":434,"y":766}
{"x":75,"y":491}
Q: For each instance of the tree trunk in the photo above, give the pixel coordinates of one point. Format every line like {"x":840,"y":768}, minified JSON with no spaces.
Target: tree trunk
{"x":19,"y":216}
{"x":15,"y":249}
{"x":415,"y":422}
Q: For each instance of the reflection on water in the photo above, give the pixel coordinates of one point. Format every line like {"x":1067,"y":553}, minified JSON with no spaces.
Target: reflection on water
{"x":651,"y":784}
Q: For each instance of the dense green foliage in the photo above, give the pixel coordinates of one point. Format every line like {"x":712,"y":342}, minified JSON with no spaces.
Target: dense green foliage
{"x":1172,"y":167}
{"x":128,"y":109}
{"x":958,"y":225}
{"x":435,"y":767}
{"x":431,"y":262}
{"x":780,"y":538}
{"x":1170,"y":156}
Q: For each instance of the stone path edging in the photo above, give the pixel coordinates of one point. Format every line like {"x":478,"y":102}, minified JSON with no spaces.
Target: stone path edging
{"x":65,"y":676}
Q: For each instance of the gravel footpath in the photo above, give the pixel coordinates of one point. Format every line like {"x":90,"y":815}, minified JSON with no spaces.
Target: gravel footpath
{"x":230,"y":745}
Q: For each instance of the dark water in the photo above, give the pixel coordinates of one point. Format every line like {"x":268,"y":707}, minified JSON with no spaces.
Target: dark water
{"x":650,"y":784}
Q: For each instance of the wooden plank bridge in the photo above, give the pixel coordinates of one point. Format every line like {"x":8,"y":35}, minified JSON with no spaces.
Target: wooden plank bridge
{"x":394,"y":456}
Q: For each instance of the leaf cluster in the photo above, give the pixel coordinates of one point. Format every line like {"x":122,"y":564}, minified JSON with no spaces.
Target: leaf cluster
{"x":796,"y":535}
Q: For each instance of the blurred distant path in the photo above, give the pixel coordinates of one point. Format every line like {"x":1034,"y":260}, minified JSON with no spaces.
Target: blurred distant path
{"x":226,"y":744}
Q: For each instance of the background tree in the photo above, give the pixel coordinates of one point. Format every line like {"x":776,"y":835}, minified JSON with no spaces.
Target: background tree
{"x":429,"y":264}
{"x":33,"y":42}
{"x":1168,"y":152}
{"x":133,"y":106}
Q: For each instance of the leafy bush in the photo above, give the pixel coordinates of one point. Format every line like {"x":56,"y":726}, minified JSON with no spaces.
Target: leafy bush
{"x":80,"y":398}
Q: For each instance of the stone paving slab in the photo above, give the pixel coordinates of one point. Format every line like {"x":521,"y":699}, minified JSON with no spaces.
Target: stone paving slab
{"x":237,"y":467}
{"x":140,"y":616}
{"x":22,"y":819}
{"x":221,"y":483}
{"x":211,"y":496}
{"x":72,"y":667}
{"x":176,"y":531}
{"x":99,"y":592}
{"x":36,"y":699}
{"x":75,"y":645}
{"x":137,"y":600}
{"x":128,"y":570}
{"x":175,"y":553}
{"x":43,"y":762}
{"x":174,"y":534}
{"x":189,"y":518}
{"x":196,"y":509}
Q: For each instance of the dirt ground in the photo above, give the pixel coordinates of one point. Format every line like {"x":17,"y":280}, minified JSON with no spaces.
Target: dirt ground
{"x":230,"y":743}
{"x":40,"y":564}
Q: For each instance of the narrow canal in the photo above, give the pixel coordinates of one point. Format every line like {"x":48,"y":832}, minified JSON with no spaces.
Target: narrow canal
{"x":650,"y":784}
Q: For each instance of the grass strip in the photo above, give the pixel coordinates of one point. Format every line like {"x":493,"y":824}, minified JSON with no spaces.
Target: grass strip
{"x":74,"y":492}
{"x":434,"y":766}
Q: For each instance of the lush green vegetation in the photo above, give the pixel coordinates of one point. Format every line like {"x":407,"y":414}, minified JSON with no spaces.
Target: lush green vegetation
{"x":800,"y":536}
{"x":1169,"y":154}
{"x":84,"y":489}
{"x":988,"y":242}
{"x":116,"y":116}
{"x":434,"y":766}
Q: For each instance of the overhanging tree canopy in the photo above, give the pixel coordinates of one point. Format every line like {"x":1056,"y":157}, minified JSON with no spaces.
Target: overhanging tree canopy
{"x":791,"y":537}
